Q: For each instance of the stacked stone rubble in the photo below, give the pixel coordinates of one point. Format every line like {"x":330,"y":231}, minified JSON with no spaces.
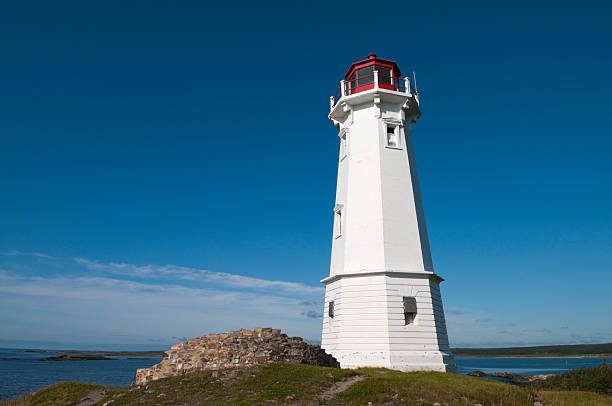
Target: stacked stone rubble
{"x":236,"y":348}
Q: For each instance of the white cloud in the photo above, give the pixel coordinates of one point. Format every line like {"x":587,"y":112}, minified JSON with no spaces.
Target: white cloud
{"x":105,"y":309}
{"x":193,"y":274}
{"x":14,"y":253}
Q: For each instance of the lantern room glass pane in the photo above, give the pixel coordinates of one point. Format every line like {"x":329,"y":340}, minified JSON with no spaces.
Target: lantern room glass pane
{"x":384,"y":74}
{"x":365,"y":75}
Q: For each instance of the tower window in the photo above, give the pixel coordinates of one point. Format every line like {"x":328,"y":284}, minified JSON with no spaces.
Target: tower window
{"x":330,"y":309}
{"x":343,"y":144}
{"x":338,"y":220}
{"x":410,"y":309}
{"x":392,"y":136}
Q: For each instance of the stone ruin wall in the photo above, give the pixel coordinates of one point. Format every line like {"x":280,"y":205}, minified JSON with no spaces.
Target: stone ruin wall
{"x":237,"y":348}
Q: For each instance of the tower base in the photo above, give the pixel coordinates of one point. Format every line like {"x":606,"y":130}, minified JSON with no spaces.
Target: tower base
{"x":405,"y":362}
{"x":369,"y":327}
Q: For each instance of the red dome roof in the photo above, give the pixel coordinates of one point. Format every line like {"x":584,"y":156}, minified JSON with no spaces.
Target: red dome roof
{"x":372,"y":59}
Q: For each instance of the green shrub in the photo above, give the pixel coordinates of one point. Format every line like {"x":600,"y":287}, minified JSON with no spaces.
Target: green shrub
{"x":597,"y":379}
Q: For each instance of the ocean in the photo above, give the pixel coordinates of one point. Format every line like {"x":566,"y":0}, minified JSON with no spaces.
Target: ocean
{"x":22,"y":372}
{"x":526,"y":366}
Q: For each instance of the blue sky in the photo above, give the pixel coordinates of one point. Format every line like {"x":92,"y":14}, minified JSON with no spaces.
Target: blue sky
{"x":168,"y":170}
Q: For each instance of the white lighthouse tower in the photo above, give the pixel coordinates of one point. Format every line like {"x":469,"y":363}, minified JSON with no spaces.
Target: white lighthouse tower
{"x":383,"y":306}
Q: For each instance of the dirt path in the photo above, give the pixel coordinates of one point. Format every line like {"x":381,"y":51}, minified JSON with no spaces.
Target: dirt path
{"x":341,"y":386}
{"x":92,"y":397}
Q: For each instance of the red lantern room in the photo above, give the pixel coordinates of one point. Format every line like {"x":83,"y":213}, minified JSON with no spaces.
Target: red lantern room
{"x":373,"y":73}
{"x":360,"y":76}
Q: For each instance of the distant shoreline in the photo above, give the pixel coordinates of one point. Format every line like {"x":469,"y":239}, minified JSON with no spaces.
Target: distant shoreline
{"x":532,"y":356}
{"x":543,"y":351}
{"x":73,"y":354}
{"x":102,"y":353}
{"x":87,"y":353}
{"x":549,"y":351}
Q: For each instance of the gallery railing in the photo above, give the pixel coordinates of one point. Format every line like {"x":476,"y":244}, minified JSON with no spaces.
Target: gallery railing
{"x":375,"y":81}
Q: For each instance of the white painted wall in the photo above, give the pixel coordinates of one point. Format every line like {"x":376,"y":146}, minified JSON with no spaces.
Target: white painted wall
{"x":383,"y":252}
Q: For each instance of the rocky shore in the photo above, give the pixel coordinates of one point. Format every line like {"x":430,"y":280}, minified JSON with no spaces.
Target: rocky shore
{"x":259,"y":346}
{"x":516,"y":379}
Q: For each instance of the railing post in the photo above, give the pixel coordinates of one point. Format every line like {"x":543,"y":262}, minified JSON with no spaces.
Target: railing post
{"x":331,"y":103}
{"x":407,"y":84}
{"x":375,"y":79}
{"x":343,"y":88}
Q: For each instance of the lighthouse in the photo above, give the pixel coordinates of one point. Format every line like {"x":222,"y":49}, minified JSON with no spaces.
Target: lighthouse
{"x":383,"y":306}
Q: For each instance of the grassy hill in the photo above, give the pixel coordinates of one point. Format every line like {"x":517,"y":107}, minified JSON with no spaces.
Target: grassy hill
{"x":285,"y":384}
{"x":582,"y":350}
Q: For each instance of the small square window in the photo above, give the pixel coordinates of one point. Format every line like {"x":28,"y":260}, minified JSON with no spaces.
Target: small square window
{"x":330,"y":309}
{"x":392,"y":136}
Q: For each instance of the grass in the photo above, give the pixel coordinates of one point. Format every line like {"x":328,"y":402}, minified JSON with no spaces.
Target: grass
{"x":244,"y":386}
{"x":65,"y":393}
{"x":301,"y":385}
{"x":567,"y":398}
{"x":427,"y":388}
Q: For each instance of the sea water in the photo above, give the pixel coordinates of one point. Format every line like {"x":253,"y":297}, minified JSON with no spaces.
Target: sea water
{"x":526,"y":366}
{"x":22,"y":372}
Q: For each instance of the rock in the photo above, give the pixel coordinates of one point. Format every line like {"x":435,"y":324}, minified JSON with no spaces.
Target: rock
{"x":259,"y":346}
{"x":541,"y":377}
{"x":506,"y":375}
{"x":477,"y":373}
{"x":514,"y":378}
{"x":519,"y":379}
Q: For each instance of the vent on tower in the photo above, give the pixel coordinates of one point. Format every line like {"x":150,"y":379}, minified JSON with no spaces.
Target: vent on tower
{"x":410,"y":309}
